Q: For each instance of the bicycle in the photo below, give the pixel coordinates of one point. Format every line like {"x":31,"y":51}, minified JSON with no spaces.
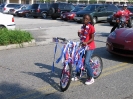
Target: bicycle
{"x":73,"y":56}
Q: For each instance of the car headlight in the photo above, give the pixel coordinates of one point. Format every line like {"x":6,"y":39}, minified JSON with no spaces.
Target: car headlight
{"x":109,"y":17}
{"x":20,"y":12}
{"x":70,"y":15}
{"x":113,"y":35}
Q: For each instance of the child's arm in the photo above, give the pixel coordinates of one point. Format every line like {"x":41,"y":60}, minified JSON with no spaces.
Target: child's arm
{"x":91,"y":39}
{"x":79,"y":33}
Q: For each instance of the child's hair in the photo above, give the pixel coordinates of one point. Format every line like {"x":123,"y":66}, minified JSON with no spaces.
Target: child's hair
{"x":91,"y":19}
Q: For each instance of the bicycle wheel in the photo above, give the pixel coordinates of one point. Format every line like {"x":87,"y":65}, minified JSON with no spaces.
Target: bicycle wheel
{"x":65,"y":79}
{"x":97,"y":65}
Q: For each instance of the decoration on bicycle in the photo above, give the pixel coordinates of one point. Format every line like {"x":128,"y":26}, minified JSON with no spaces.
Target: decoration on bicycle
{"x":71,"y":53}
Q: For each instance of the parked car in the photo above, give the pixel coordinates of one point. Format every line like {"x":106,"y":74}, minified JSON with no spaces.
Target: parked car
{"x":99,"y":12}
{"x":24,"y":12}
{"x":6,"y":7}
{"x":120,"y":42}
{"x":40,"y":10}
{"x":7,"y":21}
{"x":56,"y":9}
{"x":17,"y":8}
{"x":70,"y":15}
{"x":112,"y":20}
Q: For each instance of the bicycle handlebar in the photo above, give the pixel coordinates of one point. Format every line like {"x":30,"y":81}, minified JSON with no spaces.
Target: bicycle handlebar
{"x":59,"y":38}
{"x":63,"y":39}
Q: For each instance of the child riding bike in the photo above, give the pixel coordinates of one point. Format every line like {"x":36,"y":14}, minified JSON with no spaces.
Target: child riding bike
{"x":86,"y":35}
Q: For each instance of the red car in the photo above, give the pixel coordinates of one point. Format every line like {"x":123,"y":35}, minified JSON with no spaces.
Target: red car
{"x":120,"y":42}
{"x":24,"y":12}
{"x":70,"y":15}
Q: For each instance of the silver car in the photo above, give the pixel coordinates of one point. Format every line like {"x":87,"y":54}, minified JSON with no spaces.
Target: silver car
{"x":6,"y":7}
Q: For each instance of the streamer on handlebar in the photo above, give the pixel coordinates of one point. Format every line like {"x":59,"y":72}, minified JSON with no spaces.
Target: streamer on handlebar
{"x":75,"y":54}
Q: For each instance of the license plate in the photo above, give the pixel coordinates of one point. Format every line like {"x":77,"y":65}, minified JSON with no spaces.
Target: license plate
{"x":64,"y":16}
{"x":113,"y":20}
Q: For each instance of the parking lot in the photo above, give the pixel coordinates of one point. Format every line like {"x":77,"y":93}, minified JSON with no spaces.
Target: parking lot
{"x":26,"y":72}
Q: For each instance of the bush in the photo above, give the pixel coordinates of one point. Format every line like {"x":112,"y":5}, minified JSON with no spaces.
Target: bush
{"x":14,"y":36}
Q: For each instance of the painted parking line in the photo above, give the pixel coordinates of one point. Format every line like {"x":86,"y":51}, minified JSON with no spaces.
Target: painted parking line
{"x":114,"y":71}
{"x":114,"y":67}
{"x":107,"y":71}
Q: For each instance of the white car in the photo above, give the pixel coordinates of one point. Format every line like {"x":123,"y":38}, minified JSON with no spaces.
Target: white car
{"x":6,"y":7}
{"x":7,"y":21}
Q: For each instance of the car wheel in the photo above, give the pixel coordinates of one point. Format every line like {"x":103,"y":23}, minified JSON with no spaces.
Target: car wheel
{"x":131,"y":22}
{"x":65,"y":19}
{"x":2,"y":27}
{"x":111,"y":24}
{"x":35,"y":17}
{"x":79,"y":21}
{"x":27,"y":15}
{"x":51,"y":11}
{"x":44,"y":15}
{"x":54,"y":18}
{"x":94,"y":20}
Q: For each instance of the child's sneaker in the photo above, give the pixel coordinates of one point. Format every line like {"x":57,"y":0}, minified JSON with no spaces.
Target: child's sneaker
{"x":89,"y":81}
{"x":75,"y":79}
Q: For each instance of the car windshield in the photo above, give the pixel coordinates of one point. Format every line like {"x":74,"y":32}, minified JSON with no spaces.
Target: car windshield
{"x":77,"y":9}
{"x":18,"y":7}
{"x":28,"y":7}
{"x":91,"y":7}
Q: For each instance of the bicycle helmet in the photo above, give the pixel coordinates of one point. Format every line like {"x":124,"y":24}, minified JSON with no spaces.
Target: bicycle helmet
{"x":124,"y":5}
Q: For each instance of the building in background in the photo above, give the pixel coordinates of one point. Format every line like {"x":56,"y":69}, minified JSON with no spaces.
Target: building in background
{"x":71,"y":1}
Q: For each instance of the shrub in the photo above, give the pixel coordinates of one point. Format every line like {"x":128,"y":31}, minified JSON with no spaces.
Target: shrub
{"x":14,"y":36}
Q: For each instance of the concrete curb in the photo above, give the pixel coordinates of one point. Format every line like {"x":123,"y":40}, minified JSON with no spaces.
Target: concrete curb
{"x":12,"y":46}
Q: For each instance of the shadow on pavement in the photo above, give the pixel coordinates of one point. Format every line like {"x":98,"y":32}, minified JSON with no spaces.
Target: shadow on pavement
{"x":102,"y":34}
{"x":104,"y":24}
{"x":103,"y":53}
{"x":15,"y":91}
{"x":47,"y":77}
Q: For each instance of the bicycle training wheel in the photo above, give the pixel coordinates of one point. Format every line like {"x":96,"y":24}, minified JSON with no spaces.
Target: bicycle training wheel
{"x":65,"y":79}
{"x":97,"y":65}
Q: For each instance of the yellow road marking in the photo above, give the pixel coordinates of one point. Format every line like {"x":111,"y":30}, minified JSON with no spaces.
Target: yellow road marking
{"x":117,"y":70}
{"x":114,"y":67}
{"x":109,"y":69}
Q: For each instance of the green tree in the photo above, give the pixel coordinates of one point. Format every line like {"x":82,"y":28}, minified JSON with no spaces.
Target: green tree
{"x":42,"y":1}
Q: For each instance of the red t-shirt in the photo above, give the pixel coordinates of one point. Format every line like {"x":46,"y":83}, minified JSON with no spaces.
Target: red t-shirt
{"x":86,"y":33}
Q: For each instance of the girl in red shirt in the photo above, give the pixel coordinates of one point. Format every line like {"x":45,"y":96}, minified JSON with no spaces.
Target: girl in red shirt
{"x":87,"y":37}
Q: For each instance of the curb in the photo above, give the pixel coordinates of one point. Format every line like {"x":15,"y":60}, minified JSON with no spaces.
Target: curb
{"x":13,"y":46}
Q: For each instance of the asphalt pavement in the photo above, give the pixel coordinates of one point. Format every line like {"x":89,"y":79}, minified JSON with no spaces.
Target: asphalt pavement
{"x":26,"y":72}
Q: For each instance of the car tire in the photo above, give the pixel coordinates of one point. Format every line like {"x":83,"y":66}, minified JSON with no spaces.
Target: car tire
{"x":51,"y":11}
{"x":44,"y":15}
{"x":65,"y":19}
{"x":95,"y":20}
{"x":2,"y":27}
{"x":111,"y":23}
{"x":131,"y":22}
{"x":79,"y":22}
{"x":35,"y":17}
{"x":26,"y":15}
{"x":54,"y":18}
